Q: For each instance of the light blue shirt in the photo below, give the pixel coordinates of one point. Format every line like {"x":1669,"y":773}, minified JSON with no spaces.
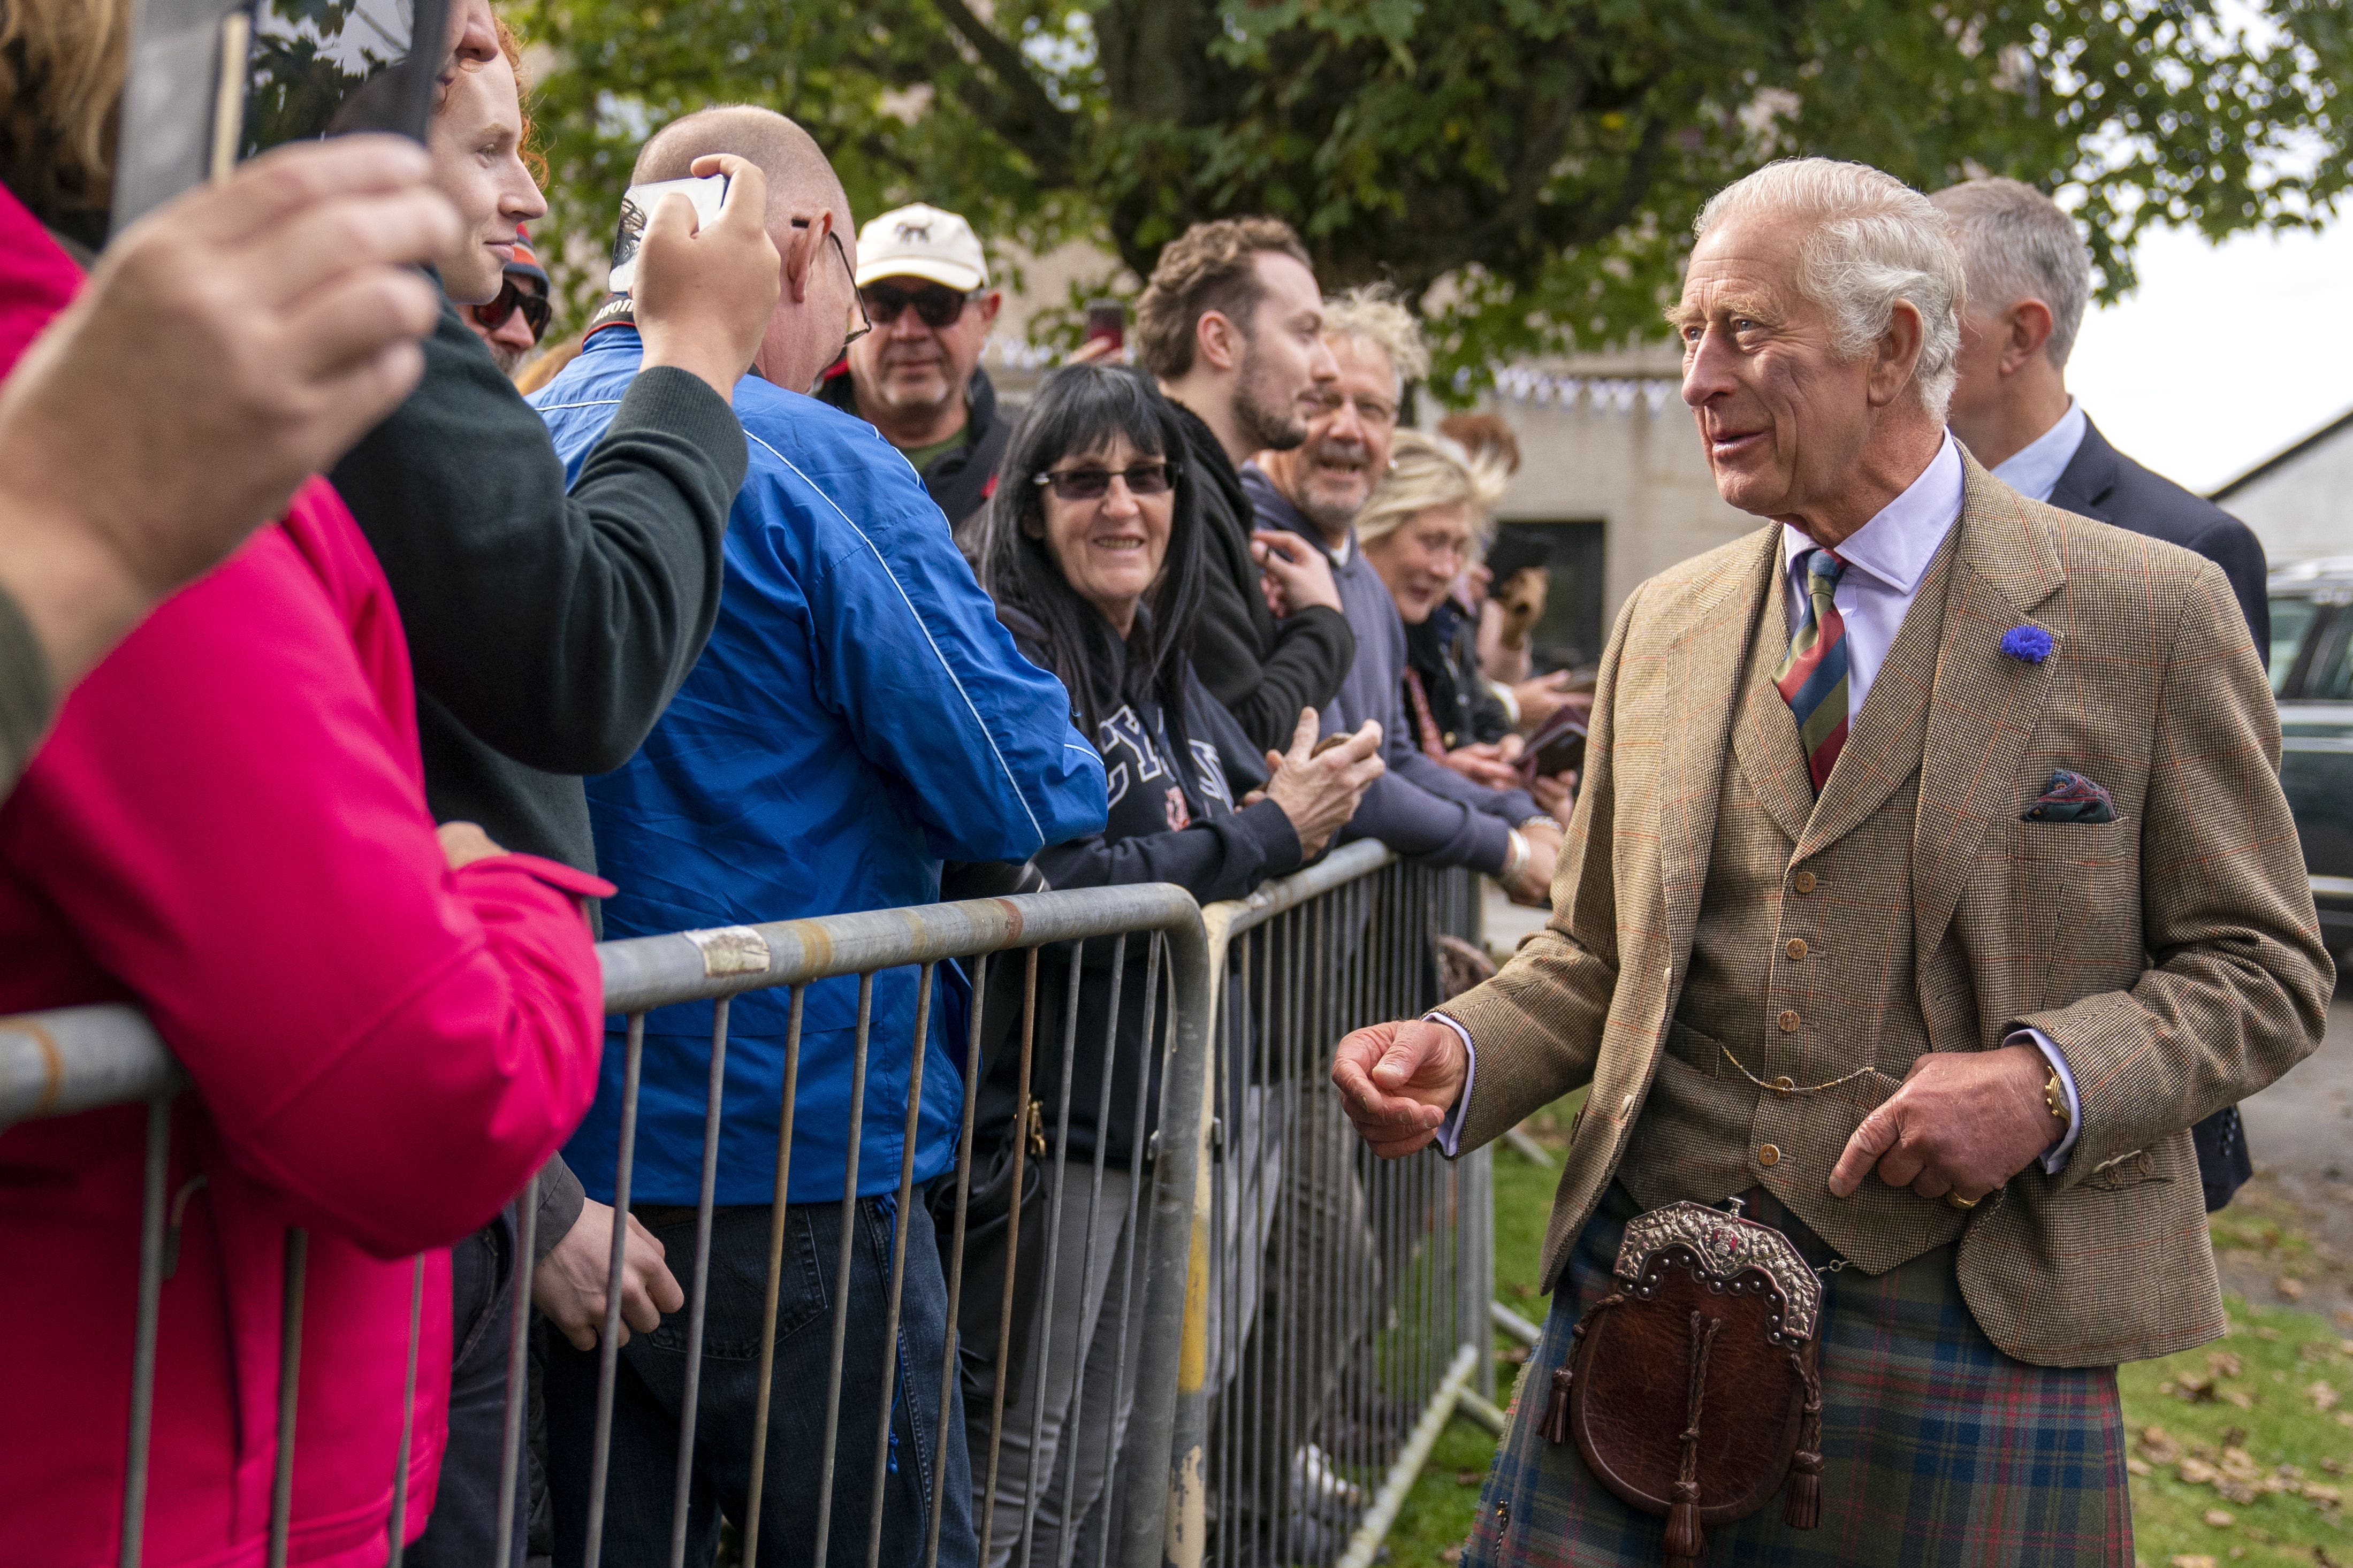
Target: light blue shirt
{"x":2034,"y":468}
{"x":1885,"y":559}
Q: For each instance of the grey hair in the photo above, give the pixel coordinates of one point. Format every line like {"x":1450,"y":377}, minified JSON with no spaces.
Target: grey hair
{"x":1428,"y":471}
{"x":2017,"y":243}
{"x":1372,"y":314}
{"x":1875,"y":240}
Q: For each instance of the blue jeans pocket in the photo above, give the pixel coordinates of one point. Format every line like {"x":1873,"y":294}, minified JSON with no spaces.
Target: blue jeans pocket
{"x":739,"y":1283}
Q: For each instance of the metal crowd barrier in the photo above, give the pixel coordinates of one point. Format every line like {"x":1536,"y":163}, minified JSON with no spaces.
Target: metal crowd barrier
{"x":1347,"y":1309}
{"x":1282,"y":1323}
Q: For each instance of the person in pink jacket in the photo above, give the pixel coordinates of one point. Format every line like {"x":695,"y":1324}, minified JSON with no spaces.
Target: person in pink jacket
{"x":227,"y":828}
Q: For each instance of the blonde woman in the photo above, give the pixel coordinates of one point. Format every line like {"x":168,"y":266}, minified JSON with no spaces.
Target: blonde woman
{"x":1422,"y":529}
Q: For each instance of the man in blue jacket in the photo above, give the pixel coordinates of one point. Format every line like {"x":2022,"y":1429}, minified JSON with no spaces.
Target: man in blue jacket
{"x":857,"y":717}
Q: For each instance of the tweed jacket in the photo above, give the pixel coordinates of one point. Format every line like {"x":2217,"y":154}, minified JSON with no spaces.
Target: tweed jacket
{"x":2173,"y":954}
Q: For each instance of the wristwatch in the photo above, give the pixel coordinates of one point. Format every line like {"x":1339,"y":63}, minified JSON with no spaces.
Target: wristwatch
{"x":2054,"y":1100}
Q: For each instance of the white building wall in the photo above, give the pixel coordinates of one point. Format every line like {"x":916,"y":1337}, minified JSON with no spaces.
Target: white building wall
{"x":2303,"y":507}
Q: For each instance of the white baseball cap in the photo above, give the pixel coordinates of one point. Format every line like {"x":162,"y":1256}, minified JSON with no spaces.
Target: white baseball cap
{"x":921,"y":241}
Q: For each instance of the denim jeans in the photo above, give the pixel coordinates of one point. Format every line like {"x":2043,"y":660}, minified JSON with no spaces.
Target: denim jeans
{"x":649,"y":1393}
{"x":463,"y":1532}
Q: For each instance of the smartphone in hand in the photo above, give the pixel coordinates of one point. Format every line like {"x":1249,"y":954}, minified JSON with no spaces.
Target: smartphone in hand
{"x":1107,"y":322}
{"x":707,"y":191}
{"x":213,"y":82}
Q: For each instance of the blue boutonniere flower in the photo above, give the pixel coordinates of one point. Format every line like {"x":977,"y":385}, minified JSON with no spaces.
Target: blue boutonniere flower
{"x":2031,"y":643}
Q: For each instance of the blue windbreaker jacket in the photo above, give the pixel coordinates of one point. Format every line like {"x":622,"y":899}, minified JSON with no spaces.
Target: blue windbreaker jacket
{"x":857,"y":717}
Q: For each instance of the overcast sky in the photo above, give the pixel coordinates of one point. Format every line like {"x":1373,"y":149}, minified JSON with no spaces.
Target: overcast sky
{"x":2224,"y":354}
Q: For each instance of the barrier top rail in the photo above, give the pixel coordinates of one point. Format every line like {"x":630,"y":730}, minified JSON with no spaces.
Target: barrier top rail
{"x":1349,"y":863}
{"x":72,"y":1059}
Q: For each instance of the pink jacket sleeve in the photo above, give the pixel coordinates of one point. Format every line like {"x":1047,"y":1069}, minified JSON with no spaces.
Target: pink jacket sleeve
{"x":229,"y":819}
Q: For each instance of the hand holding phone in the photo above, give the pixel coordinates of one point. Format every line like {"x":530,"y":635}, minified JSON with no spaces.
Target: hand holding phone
{"x":705,"y":278}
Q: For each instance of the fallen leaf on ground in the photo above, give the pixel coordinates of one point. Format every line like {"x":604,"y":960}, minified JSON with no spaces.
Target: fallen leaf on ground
{"x":2158,"y":1445}
{"x":2230,"y":1489}
{"x":2136,"y":1465}
{"x":2266,"y":1332}
{"x":1453,"y":1554}
{"x":2220,"y":1518}
{"x":2198,"y":1473}
{"x":2238,"y":1397}
{"x":2322,"y":1493}
{"x":2240,"y":1465}
{"x":2189,"y":1559}
{"x":2290,"y":1287}
{"x":1469,"y":1478}
{"x":2224,"y":1363}
{"x":2323,"y":1396}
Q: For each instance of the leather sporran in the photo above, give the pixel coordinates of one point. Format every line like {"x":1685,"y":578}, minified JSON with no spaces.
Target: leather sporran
{"x":1691,"y":1389}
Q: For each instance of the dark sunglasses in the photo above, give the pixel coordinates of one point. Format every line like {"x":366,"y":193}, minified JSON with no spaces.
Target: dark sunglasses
{"x":1152,"y":479}
{"x":514,"y":297}
{"x":936,"y":303}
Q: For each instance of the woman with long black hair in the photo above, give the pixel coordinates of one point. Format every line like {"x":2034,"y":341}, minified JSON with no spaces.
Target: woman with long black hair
{"x":1093,"y":551}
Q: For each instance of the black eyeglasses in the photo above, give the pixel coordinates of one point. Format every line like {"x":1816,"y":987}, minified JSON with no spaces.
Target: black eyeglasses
{"x":1152,"y":479}
{"x":512,"y":297}
{"x":935,"y":303}
{"x":865,"y":321}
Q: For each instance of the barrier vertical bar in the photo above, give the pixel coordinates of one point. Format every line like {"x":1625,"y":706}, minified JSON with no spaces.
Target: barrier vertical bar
{"x":608,"y":1348}
{"x":399,"y":1526}
{"x":1012,"y":1253}
{"x":510,"y":1447}
{"x":154,"y":1178}
{"x":846,"y":1260}
{"x":899,"y":1264}
{"x":1044,"y":1327}
{"x":290,"y":1383}
{"x":950,"y":1356}
{"x":714,"y":1098}
{"x":779,"y":1216}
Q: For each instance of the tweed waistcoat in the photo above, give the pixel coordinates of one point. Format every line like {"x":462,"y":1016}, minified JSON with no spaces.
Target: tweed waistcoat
{"x":1802,"y":968}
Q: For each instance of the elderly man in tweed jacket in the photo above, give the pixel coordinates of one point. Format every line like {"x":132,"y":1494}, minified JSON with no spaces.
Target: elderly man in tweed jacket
{"x":1930,"y":879}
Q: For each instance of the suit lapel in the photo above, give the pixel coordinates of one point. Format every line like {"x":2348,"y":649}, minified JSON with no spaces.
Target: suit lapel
{"x":1713,"y":652}
{"x":1765,"y":736}
{"x":2084,"y":485}
{"x":1985,"y":704}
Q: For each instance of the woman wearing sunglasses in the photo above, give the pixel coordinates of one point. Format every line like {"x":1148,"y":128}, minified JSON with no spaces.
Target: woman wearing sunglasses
{"x":1093,"y":551}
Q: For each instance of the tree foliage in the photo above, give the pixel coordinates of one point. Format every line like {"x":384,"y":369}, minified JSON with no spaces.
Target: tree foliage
{"x":1524,"y":171}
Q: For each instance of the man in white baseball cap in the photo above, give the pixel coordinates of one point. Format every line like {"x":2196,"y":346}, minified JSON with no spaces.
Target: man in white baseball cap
{"x":916,"y":377}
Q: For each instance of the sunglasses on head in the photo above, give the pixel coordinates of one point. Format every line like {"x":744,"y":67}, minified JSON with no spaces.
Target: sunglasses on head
{"x":514,"y":297}
{"x":1152,"y":479}
{"x":937,"y":304}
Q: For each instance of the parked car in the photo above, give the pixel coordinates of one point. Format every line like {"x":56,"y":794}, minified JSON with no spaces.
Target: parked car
{"x":2311,"y":676}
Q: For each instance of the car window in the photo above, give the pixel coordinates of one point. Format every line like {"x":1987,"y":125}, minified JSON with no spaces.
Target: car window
{"x":2291,"y":619}
{"x":2331,"y":680}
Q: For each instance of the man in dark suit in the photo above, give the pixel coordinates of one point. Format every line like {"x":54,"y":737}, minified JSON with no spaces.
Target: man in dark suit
{"x":2029,"y":276}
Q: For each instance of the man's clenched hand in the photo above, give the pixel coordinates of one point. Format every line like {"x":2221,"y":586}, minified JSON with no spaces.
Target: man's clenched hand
{"x":568,"y":1285}
{"x":1399,"y":1082}
{"x":1964,"y":1121}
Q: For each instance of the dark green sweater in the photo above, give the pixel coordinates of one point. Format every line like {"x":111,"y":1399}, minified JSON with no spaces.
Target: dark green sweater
{"x":548,"y":630}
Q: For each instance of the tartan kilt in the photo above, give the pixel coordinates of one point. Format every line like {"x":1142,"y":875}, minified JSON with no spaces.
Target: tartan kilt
{"x":1939,"y":1449}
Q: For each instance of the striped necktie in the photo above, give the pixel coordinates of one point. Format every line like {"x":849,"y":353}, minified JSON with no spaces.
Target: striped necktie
{"x":1812,"y":678}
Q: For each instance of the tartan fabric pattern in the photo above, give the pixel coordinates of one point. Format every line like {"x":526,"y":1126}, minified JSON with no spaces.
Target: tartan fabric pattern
{"x":1939,"y":1450}
{"x":2153,"y":687}
{"x":1813,"y":675}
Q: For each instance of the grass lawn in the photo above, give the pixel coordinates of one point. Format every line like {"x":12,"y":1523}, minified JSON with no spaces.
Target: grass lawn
{"x":2237,"y":1451}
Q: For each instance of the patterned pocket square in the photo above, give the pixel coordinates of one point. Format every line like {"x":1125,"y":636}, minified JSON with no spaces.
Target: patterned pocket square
{"x":2070,"y":798}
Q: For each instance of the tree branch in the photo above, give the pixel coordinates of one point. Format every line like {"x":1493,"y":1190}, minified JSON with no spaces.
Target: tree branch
{"x":1033,"y":121}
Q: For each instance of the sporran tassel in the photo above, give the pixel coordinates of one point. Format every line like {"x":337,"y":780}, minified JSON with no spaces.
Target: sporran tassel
{"x":1556,"y":1416}
{"x":1685,"y":1543}
{"x":1803,"y":1509}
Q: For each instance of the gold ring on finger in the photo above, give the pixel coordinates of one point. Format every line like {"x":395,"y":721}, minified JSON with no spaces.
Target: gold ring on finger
{"x":1962,"y":1204}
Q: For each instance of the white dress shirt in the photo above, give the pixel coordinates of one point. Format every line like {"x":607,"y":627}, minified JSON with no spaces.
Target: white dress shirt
{"x":1885,"y":559}
{"x":2034,"y":468}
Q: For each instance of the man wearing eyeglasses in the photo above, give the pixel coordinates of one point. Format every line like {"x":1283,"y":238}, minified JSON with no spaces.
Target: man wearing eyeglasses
{"x":510,"y":325}
{"x":917,"y":377}
{"x":858,"y":715}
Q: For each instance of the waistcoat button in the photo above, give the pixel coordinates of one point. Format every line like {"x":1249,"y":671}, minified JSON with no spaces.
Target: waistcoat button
{"x":1805,"y":882}
{"x":1784,"y":1085}
{"x":1768,"y":1155}
{"x":1789,"y":1020}
{"x":1797,"y":948}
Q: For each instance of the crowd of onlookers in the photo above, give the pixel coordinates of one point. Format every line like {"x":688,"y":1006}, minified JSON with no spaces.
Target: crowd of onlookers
{"x":763,"y":606}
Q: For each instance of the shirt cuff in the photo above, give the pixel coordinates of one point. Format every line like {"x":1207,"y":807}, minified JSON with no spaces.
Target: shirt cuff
{"x":2056,"y":1160}
{"x":1449,"y":1133}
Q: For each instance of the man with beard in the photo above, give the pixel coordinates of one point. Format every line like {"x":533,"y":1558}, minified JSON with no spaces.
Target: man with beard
{"x":1232,"y":326}
{"x":510,"y":325}
{"x":916,"y":377}
{"x":1311,"y":494}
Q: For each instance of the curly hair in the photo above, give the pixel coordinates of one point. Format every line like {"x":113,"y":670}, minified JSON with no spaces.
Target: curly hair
{"x":1373,"y":314}
{"x":62,"y":64}
{"x":1209,"y":266}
